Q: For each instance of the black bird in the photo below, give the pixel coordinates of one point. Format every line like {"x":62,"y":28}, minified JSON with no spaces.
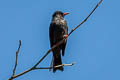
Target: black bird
{"x":57,"y":31}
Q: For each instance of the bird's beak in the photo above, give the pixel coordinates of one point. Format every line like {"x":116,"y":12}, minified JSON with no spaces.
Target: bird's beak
{"x":65,"y":13}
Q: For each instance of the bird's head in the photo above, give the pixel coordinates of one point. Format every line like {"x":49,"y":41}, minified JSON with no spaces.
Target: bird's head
{"x":59,"y":13}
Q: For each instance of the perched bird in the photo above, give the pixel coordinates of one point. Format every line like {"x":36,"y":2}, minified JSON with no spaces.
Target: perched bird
{"x":57,"y":31}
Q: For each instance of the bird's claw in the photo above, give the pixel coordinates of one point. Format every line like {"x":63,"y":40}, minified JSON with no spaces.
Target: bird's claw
{"x":66,"y":36}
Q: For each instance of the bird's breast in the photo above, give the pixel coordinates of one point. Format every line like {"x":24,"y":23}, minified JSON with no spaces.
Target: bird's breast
{"x":59,"y":21}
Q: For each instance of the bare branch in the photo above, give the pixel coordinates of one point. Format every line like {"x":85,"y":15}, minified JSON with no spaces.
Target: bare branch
{"x":35,"y":68}
{"x":56,"y":45}
{"x":17,"y":52}
{"x":86,"y":18}
{"x":16,"y":57}
{"x":22,"y":73}
{"x":51,"y":67}
{"x":15,"y":76}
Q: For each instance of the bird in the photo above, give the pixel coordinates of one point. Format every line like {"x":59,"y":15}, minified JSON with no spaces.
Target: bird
{"x":58,"y":30}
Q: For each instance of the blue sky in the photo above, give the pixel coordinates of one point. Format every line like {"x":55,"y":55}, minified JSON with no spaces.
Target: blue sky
{"x":95,"y":46}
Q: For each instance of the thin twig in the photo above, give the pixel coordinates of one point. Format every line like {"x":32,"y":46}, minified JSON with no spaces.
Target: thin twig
{"x":22,"y":73}
{"x":86,"y":18}
{"x":35,"y":68}
{"x":16,"y":57}
{"x":56,"y":45}
{"x":16,"y":61}
{"x":51,"y":67}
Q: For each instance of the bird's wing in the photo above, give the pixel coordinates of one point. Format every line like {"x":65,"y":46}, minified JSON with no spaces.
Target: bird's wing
{"x":64,"y":44}
{"x":51,"y":34}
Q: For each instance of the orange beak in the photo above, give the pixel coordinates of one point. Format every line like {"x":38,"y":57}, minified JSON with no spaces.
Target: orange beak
{"x":65,"y":13}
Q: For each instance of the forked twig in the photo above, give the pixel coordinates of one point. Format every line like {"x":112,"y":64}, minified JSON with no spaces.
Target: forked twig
{"x":35,"y":66}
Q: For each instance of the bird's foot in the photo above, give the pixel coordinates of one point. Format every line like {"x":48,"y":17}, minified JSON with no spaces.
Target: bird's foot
{"x":66,"y":36}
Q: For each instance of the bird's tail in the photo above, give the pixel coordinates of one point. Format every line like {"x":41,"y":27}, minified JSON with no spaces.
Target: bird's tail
{"x":57,"y":60}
